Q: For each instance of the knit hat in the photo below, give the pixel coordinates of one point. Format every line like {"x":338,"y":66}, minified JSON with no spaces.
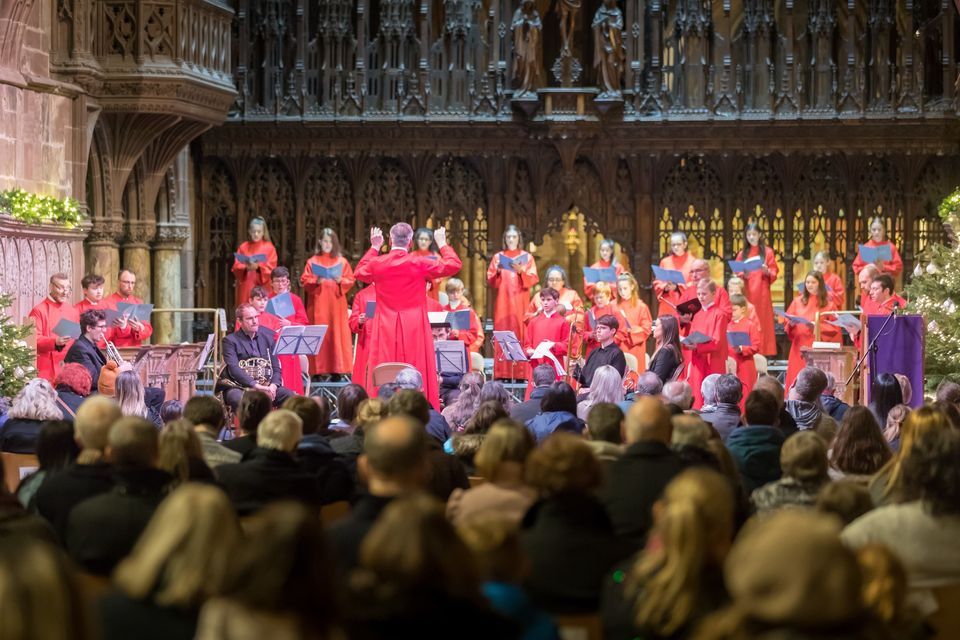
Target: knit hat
{"x":790,"y":568}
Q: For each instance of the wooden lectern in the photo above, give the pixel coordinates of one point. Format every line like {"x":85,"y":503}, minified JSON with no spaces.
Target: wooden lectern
{"x":839,"y":362}
{"x":171,"y":367}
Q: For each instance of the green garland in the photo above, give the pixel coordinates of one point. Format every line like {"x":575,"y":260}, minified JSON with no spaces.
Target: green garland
{"x":16,"y":357}
{"x":949,"y":206}
{"x":31,"y":208}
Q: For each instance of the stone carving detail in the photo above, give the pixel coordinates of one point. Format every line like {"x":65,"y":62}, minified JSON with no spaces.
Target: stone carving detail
{"x":171,"y":236}
{"x":328,"y":200}
{"x":456,"y":199}
{"x":105,"y":231}
{"x":609,"y":53}
{"x":387,"y":196}
{"x":527,"y":48}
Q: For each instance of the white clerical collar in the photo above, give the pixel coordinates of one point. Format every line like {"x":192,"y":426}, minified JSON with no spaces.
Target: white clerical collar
{"x":551,"y":314}
{"x":707,"y":306}
{"x":400,"y":249}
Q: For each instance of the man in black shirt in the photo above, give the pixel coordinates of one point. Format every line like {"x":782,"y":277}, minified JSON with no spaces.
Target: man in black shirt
{"x":607,"y":353}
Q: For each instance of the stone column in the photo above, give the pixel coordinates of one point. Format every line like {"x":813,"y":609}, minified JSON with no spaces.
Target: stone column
{"x":167,"y":280}
{"x":103,"y":252}
{"x":136,"y":255}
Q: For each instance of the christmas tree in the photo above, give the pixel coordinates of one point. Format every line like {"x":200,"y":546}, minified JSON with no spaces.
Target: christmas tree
{"x":934,"y":292}
{"x":16,"y":356}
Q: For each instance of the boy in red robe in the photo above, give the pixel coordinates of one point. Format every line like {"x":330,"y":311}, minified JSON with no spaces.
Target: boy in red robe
{"x":711,"y":356}
{"x":456,"y":301}
{"x":743,"y":355}
{"x":547,"y":325}
{"x":128,"y":332}
{"x":51,"y":348}
{"x":92,"y":287}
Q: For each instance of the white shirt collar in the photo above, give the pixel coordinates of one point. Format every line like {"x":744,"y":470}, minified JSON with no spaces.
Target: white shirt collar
{"x":400,"y":249}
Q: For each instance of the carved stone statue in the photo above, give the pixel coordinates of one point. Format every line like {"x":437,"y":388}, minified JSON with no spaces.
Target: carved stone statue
{"x":568,"y":10}
{"x":527,"y":53}
{"x":609,"y":54}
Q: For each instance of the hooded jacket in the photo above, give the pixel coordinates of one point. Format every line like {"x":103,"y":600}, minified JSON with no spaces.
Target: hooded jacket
{"x":756,"y":452}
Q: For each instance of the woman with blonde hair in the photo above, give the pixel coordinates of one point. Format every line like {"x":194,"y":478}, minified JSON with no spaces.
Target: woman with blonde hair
{"x":634,"y":314}
{"x":35,"y":404}
{"x":179,"y":562}
{"x":181,"y":454}
{"x":885,"y":487}
{"x":607,"y":386}
{"x":254,"y":260}
{"x":130,"y":397}
{"x":678,"y":579}
{"x":891,"y":430}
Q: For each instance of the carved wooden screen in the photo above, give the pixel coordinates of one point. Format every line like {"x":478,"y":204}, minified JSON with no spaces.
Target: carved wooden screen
{"x":327,"y":202}
{"x":218,"y":234}
{"x":270,"y":195}
{"x":689,"y":197}
{"x":387,"y":195}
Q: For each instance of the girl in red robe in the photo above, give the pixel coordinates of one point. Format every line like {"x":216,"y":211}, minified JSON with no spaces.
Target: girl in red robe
{"x":253,"y":274}
{"x":814,"y":299}
{"x":893,"y":266}
{"x":360,"y":324}
{"x":635,"y":321}
{"x":327,"y":304}
{"x":835,"y":289}
{"x":758,"y":284}
{"x":743,"y":355}
{"x":457,"y":301}
{"x":678,"y":260}
{"x":427,"y":248}
{"x":513,"y":291}
{"x":605,"y":262}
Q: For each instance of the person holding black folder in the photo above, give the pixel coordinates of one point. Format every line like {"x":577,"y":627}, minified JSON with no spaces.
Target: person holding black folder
{"x":46,"y":317}
{"x":706,"y":344}
{"x":326,"y":280}
{"x":128,"y":331}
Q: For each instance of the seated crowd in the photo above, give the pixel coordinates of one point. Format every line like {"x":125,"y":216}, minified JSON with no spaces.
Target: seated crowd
{"x":775,"y":515}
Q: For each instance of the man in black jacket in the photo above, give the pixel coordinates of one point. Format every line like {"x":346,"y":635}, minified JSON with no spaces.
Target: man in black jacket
{"x":84,"y":350}
{"x":250,"y":341}
{"x":543,"y":377}
{"x":638,"y":478}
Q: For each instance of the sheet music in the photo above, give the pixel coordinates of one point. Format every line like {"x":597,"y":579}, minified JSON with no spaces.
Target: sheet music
{"x":543,"y":351}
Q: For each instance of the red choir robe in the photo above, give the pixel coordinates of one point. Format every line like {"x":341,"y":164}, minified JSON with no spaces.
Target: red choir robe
{"x":709,"y":357}
{"x":513,"y":292}
{"x":590,"y":323}
{"x":573,"y":312}
{"x":290,"y":369}
{"x":472,"y":337}
{"x":894,"y":266}
{"x":363,"y":331}
{"x":669,"y":299}
{"x":401,"y":329}
{"x":600,"y":264}
{"x":757,"y":289}
{"x":86,"y":305}
{"x":635,"y":327}
{"x":871,"y":308}
{"x":433,"y":291}
{"x":45,"y":317}
{"x":802,"y":335}
{"x":721,"y":300}
{"x":128,"y":337}
{"x":247,"y":279}
{"x":746,"y":367}
{"x":556,"y":329}
{"x":327,"y":304}
{"x":835,"y":289}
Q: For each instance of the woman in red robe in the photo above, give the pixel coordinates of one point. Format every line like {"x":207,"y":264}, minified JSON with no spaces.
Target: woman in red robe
{"x":361,"y":325}
{"x":327,"y":304}
{"x":253,"y":274}
{"x":679,"y":260}
{"x":758,"y":284}
{"x":606,"y":261}
{"x":425,"y":247}
{"x":570,"y":306}
{"x":457,"y":301}
{"x":893,"y":266}
{"x":814,"y":299}
{"x":635,"y":321}
{"x":743,"y":355}
{"x":513,"y":291}
{"x":835,"y":289}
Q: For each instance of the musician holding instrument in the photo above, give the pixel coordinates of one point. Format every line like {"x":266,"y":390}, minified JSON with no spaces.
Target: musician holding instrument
{"x":606,"y":353}
{"x":250,"y":362}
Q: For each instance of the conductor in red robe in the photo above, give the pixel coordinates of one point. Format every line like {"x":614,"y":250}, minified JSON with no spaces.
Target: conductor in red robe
{"x":51,"y":348}
{"x":362,"y":325}
{"x":401,"y":329}
{"x":711,"y":356}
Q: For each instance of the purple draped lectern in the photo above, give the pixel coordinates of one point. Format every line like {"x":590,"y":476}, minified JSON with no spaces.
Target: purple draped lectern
{"x":900,"y":349}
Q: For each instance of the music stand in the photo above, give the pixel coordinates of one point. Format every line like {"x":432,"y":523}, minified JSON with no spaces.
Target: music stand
{"x":451,"y":356}
{"x":300,"y":340}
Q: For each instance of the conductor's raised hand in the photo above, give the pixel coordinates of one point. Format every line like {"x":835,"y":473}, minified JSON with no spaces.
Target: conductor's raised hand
{"x":376,"y":238}
{"x":440,"y":237}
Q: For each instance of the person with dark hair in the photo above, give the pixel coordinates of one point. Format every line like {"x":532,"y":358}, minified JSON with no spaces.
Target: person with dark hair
{"x":605,"y":431}
{"x":948,"y":391}
{"x":882,"y":298}
{"x":667,"y":357}
{"x":254,"y":407}
{"x":846,"y":499}
{"x":327,"y":303}
{"x":511,"y":274}
{"x":885,"y":394}
{"x":803,"y":460}
{"x":813,"y":299}
{"x":314,"y":452}
{"x":171,"y":410}
{"x":770,"y":384}
{"x":569,"y":303}
{"x":91,"y":286}
{"x":558,"y":412}
{"x":547,"y":324}
{"x":543,"y":376}
{"x":57,"y":449}
{"x":84,"y":350}
{"x":387,"y":391}
{"x":425,"y":247}
{"x":348,"y":400}
{"x":804,"y":405}
{"x":606,"y":353}
{"x":206,"y":415}
{"x":73,"y":384}
{"x":466,"y":444}
{"x":711,"y":321}
{"x":755,"y":446}
{"x":859,"y":450}
{"x":725,"y":416}
{"x":607,"y":260}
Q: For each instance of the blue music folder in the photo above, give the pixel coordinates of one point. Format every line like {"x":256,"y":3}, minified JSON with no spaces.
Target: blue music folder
{"x":696,"y":338}
{"x":668,"y":275}
{"x":327,"y":273}
{"x":67,"y":329}
{"x":739,"y":339}
{"x":371,"y":309}
{"x":245,"y":259}
{"x":873,"y":254}
{"x":281,"y":305}
{"x":745,"y":266}
{"x":594,"y":275}
{"x":507,"y":262}
{"x":796,"y":319}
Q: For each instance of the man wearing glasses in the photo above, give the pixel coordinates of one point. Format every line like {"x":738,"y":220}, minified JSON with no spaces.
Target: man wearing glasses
{"x":84,"y":350}
{"x":52,"y":348}
{"x":127,"y":332}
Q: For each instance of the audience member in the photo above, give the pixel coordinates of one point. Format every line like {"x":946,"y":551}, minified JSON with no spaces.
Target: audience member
{"x":771,"y":385}
{"x":73,"y":385}
{"x":804,"y":403}
{"x":171,"y":410}
{"x":859,"y":450}
{"x":348,"y":401}
{"x":567,"y":534}
{"x":436,"y":426}
{"x":845,"y":499}
{"x":885,"y":487}
{"x":543,"y":377}
{"x":891,"y":430}
{"x":834,"y":406}
{"x":270,"y":473}
{"x":131,"y":399}
{"x":803,"y":461}
{"x":691,"y":440}
{"x":950,"y":410}
{"x":725,"y":416}
{"x":181,"y":454}
{"x":349,"y":447}
{"x":648,"y":464}
{"x":648,"y":385}
{"x":558,"y":413}
{"x":607,"y":386}
{"x":206,"y":415}
{"x":178,"y":563}
{"x":605,"y":432}
{"x":885,"y":592}
{"x":57,"y":449}
{"x":671,"y":586}
{"x":468,"y":400}
{"x":755,"y":446}
{"x":948,"y":391}
{"x":386,"y":391}
{"x":314,"y":452}
{"x":906,"y":387}
{"x":90,"y":474}
{"x":33,"y":405}
{"x":102,"y":530}
{"x":465,"y":445}
{"x":679,"y":394}
{"x":494,"y":390}
{"x":253,"y":408}
{"x":708,"y":390}
{"x":886,"y":393}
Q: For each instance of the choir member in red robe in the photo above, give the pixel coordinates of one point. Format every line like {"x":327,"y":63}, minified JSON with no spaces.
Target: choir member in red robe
{"x":250,"y":275}
{"x":51,"y":348}
{"x":457,"y":301}
{"x":864,"y":279}
{"x":736,"y":287}
{"x":883,"y":300}
{"x":512,"y":288}
{"x":698,"y":272}
{"x":548,"y":325}
{"x":893,"y":266}
{"x":290,"y":370}
{"x":836,"y":291}
{"x":425,"y":247}
{"x":603,"y":305}
{"x":607,"y":248}
{"x":814,"y":299}
{"x":668,"y":293}
{"x":758,"y":284}
{"x":127,"y":332}
{"x":280,"y":283}
{"x":636,"y":323}
{"x":327,"y":304}
{"x":401,"y":329}
{"x":743,"y":355}
{"x":92,"y":288}
{"x":711,"y":321}
{"x":362,"y":325}
{"x":570,"y":305}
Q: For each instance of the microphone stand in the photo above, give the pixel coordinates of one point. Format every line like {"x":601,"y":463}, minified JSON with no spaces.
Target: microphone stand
{"x":872,"y":347}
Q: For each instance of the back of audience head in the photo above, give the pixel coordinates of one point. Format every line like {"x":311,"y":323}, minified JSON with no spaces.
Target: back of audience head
{"x":679,"y":393}
{"x":495,"y":543}
{"x":411,"y":403}
{"x":489,"y":412}
{"x":886,"y":394}
{"x":504,"y":451}
{"x":605,"y":423}
{"x":386,"y":391}
{"x":563,"y":463}
{"x":771,"y":385}
{"x":761,"y":408}
{"x":281,"y":430}
{"x":409,"y":378}
{"x":831,"y":384}
{"x":931,"y":473}
{"x":37,"y":400}
{"x":648,"y":384}
{"x":559,"y":397}
{"x":690,"y":431}
{"x":56,"y":445}
{"x":694,"y":522}
{"x":803,"y":457}
{"x":314,"y":415}
{"x":182,"y":556}
{"x":895,"y":418}
{"x":729,"y":389}
{"x":207,"y":412}
{"x":647,"y":420}
{"x":544,"y":375}
{"x":884,"y":585}
{"x":394,"y":451}
{"x":130,"y":395}
{"x":171,"y":410}
{"x":133,"y":443}
{"x":708,"y":389}
{"x":370,"y":412}
{"x":846,"y":499}
{"x":348,"y":401}
{"x":75,"y":377}
{"x":94,"y":418}
{"x":919,"y":422}
{"x":948,"y":391}
{"x":859,"y":447}
{"x":494,"y":390}
{"x":607,"y":385}
{"x":253,"y":408}
{"x":178,"y":444}
{"x":950,"y":410}
{"x":809,"y":384}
